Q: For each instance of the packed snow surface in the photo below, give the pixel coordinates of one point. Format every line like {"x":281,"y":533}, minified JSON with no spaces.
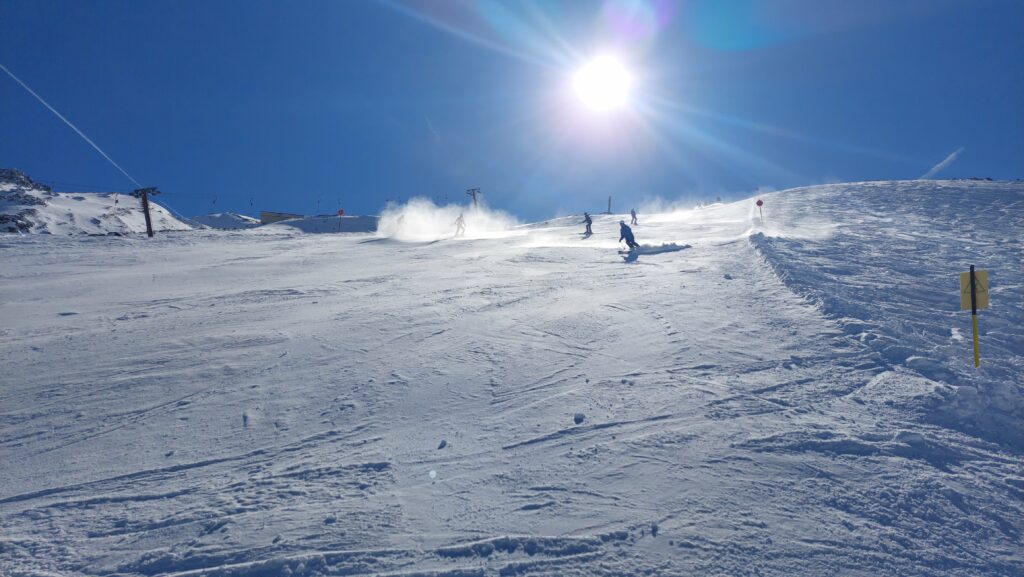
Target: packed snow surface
{"x":788,"y":397}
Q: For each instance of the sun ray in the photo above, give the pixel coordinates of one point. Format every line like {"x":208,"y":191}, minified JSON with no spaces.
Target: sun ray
{"x":464,"y":34}
{"x":729,"y":156}
{"x":783,"y":133}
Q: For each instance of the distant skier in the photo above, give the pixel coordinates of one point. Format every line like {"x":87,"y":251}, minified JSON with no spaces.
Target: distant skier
{"x":588,"y":221}
{"x":460,"y":225}
{"x":401,"y":223}
{"x":626,"y":233}
{"x":632,"y":211}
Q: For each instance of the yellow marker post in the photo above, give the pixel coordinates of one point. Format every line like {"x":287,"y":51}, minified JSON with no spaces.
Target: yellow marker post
{"x":974,"y":296}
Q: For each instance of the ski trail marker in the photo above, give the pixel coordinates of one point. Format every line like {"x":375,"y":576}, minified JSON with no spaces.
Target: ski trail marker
{"x":974,"y":296}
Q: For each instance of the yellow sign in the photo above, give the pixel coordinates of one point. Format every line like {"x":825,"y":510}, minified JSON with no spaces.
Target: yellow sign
{"x":980,"y":289}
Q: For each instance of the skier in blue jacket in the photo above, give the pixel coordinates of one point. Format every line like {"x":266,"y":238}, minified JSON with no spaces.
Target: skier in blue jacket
{"x":626,"y":233}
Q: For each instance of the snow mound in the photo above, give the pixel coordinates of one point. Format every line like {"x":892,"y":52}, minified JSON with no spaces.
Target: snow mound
{"x":226,"y":220}
{"x":32,"y":208}
{"x":889,"y":274}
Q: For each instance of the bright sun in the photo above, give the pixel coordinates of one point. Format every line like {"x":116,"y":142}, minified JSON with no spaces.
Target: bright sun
{"x":603,"y":83}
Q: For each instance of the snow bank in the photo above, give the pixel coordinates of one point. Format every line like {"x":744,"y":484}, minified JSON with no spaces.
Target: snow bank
{"x":888,"y":273}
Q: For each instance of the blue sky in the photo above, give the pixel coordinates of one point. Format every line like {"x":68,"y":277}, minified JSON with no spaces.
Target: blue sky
{"x":250,"y":105}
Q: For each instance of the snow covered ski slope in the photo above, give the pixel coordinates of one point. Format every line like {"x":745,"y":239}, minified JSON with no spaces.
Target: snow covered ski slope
{"x":226,"y":221}
{"x":792,"y":397}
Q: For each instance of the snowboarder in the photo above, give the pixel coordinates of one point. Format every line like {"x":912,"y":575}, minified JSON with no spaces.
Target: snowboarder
{"x":587,"y":221}
{"x":460,"y":225}
{"x":627,"y":233}
{"x":632,"y":211}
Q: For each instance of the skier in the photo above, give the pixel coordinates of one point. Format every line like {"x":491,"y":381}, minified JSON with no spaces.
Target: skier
{"x":627,"y":233}
{"x":632,"y":211}
{"x":587,"y":221}
{"x":460,"y":225}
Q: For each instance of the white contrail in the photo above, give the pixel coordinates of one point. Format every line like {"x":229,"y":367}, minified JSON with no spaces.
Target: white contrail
{"x":946,"y":162}
{"x":430,"y":125}
{"x":68,"y":122}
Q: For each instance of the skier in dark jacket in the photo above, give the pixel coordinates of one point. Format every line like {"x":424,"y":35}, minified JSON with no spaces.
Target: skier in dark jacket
{"x":587,"y":221}
{"x":626,"y":233}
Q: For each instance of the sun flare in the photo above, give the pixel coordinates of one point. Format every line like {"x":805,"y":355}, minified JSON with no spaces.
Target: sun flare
{"x":603,"y":83}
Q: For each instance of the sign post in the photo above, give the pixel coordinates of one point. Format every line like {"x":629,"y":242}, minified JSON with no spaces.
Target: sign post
{"x":341,"y":213}
{"x":974,"y":296}
{"x":760,"y":203}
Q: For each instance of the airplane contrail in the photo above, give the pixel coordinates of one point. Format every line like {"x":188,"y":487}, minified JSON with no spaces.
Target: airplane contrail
{"x":945,"y":162}
{"x":68,"y":122}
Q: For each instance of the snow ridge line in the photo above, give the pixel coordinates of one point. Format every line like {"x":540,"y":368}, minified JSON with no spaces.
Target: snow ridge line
{"x":851,"y":323}
{"x":830,"y":307}
{"x":762,"y":247}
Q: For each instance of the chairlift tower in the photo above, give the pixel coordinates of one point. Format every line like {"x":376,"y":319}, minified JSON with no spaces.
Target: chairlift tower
{"x":473,"y":192}
{"x":143,"y":194}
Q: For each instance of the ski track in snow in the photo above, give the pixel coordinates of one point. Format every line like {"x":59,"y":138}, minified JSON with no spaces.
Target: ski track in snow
{"x":782,"y":397}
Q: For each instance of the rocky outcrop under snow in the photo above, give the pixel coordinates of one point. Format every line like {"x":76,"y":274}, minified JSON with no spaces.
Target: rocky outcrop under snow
{"x":28,"y":207}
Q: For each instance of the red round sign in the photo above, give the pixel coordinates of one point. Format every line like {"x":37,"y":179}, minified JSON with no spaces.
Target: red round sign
{"x":759,"y":202}
{"x":341,"y":211}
